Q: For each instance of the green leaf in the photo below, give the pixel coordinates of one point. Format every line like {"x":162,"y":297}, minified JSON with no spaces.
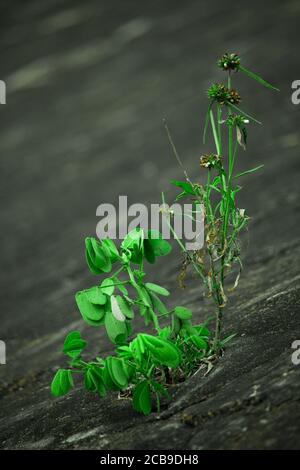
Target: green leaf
{"x":199,"y":342}
{"x":142,"y":398}
{"x":185,"y":185}
{"x":91,"y":313}
{"x":257,"y":78}
{"x":227,"y":339}
{"x":108,"y":381}
{"x":96,"y":257}
{"x":202,"y":331}
{"x":145,"y":313}
{"x":207,"y":116}
{"x":157,"y":289}
{"x":117,"y":371}
{"x":62,"y":382}
{"x":144,"y":296}
{"x":74,"y":344}
{"x":116,"y":310}
{"x":112,"y":249}
{"x":116,"y":330}
{"x":133,"y":242}
{"x":107,"y":286}
{"x":158,"y":304}
{"x":160,"y":246}
{"x":93,"y":379}
{"x":183,"y":313}
{"x":163,"y":351}
{"x":125,"y":307}
{"x":252,"y":170}
{"x":95,"y":295}
{"x":149,"y":252}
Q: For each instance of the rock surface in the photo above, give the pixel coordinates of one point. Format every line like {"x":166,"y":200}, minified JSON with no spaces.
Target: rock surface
{"x":87,"y":87}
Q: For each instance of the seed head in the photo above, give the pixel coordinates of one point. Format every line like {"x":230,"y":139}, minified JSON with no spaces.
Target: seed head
{"x":218,"y":92}
{"x":210,"y":161}
{"x":236,"y":120}
{"x":235,"y":97}
{"x":229,"y":61}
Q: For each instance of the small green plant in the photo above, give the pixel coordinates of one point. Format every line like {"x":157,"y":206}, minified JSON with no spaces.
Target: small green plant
{"x":148,"y":364}
{"x":224,"y":220}
{"x":144,"y":366}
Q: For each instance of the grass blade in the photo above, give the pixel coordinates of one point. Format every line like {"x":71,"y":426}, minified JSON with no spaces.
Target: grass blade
{"x":206,"y":121}
{"x":257,"y":78}
{"x":244,"y":113}
{"x":252,"y":170}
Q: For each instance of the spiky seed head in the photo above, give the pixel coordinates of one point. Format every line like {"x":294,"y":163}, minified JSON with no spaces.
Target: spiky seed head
{"x":229,"y":61}
{"x":234,"y":97}
{"x":218,"y":92}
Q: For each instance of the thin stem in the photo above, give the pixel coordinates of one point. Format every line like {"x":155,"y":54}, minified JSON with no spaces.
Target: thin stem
{"x":215,"y":133}
{"x":219,"y":115}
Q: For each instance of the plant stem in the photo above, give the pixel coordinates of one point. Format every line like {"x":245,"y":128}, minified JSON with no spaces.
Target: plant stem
{"x":218,"y":329}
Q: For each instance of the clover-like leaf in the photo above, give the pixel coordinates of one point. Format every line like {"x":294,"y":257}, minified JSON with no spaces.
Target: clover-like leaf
{"x":97,"y":258}
{"x":118,"y":372}
{"x":74,"y":344}
{"x":91,"y":313}
{"x":133,"y":244}
{"x":95,"y":295}
{"x":108,"y":286}
{"x":62,"y":382}
{"x":93,"y":379}
{"x":163,"y":351}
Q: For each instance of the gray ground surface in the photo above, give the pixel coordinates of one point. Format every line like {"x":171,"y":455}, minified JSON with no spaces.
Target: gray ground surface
{"x":88,"y":84}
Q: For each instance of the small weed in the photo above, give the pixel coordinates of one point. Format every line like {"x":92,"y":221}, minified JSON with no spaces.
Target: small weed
{"x":144,"y":367}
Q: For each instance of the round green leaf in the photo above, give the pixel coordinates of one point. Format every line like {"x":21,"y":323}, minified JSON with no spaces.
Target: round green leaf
{"x":74,"y":344}
{"x":91,"y":313}
{"x":61,"y":383}
{"x":95,"y":295}
{"x":107,"y":286}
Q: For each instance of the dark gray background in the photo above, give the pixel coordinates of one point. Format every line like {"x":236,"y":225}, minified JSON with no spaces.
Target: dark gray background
{"x":88,"y":84}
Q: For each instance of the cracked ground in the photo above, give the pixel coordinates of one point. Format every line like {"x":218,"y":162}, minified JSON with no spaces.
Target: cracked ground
{"x":88,"y":84}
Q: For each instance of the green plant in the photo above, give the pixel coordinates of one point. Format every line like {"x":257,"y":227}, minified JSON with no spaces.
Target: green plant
{"x":148,"y":364}
{"x":144,"y":366}
{"x":224,"y":220}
